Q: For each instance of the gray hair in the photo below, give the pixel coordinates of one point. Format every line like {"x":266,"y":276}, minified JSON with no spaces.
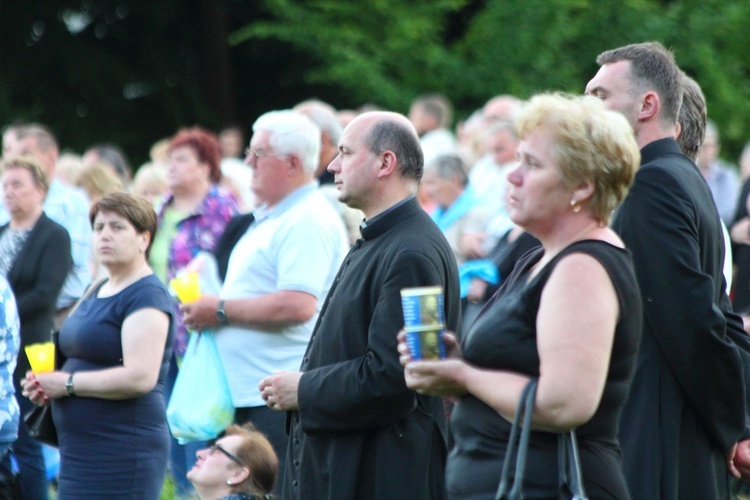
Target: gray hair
{"x":448,"y":167}
{"x":292,"y":133}
{"x":321,"y":115}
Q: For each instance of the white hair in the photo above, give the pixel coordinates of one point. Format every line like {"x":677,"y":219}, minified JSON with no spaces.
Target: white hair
{"x":323,"y":117}
{"x":292,"y":133}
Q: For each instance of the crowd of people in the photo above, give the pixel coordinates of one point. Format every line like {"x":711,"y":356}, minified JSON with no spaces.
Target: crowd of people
{"x":590,"y":243}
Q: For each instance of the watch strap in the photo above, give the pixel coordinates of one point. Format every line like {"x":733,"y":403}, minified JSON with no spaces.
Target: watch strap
{"x":221,"y":314}
{"x":69,"y":386}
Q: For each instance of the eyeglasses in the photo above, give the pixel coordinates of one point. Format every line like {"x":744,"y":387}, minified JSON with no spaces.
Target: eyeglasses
{"x":257,"y":154}
{"x":215,"y":447}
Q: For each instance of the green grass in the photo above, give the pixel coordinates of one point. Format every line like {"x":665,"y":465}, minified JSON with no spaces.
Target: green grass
{"x":167,"y":492}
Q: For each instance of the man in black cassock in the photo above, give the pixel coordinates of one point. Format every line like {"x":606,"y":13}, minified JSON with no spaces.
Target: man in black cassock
{"x":355,"y":430}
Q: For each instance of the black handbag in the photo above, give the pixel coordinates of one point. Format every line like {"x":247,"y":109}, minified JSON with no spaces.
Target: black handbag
{"x":570,"y":479}
{"x":38,"y":421}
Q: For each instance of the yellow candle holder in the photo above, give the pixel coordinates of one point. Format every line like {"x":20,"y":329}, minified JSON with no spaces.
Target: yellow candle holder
{"x":187,"y":287}
{"x":41,"y":357}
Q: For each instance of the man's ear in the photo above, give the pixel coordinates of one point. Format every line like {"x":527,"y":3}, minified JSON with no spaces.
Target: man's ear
{"x":650,"y":106}
{"x":388,"y":163}
{"x":295,"y":166}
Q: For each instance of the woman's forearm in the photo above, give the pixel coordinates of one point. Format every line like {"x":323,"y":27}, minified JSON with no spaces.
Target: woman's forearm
{"x":113,"y":383}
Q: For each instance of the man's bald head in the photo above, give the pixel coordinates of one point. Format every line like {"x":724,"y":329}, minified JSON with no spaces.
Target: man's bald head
{"x":388,"y":131}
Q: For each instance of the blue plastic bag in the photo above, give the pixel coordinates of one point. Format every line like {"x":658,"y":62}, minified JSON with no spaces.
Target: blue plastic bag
{"x":200,"y":407}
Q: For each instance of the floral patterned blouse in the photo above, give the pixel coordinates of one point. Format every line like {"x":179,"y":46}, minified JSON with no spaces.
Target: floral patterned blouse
{"x":199,"y":231}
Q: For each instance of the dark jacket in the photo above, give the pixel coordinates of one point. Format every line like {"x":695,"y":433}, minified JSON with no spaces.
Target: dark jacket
{"x":36,"y":277}
{"x":236,"y":228}
{"x":687,"y":402}
{"x":360,"y":433}
{"x":741,"y":258}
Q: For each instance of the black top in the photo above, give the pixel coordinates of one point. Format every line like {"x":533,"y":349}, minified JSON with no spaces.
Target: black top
{"x":504,"y":338}
{"x":236,"y":228}
{"x":36,"y":277}
{"x":506,"y":254}
{"x":741,"y":258}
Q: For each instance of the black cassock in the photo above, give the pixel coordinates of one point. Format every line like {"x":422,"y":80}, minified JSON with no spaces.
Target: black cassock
{"x":360,"y":433}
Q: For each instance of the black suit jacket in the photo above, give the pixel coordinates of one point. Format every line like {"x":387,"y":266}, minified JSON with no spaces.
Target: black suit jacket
{"x":36,"y":277}
{"x":687,"y":402}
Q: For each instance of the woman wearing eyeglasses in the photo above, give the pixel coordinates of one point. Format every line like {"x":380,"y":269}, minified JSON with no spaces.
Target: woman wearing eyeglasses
{"x":239,"y":466}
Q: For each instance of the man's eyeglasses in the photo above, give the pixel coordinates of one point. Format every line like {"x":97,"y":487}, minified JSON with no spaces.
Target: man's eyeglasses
{"x":215,"y":447}
{"x":257,"y":154}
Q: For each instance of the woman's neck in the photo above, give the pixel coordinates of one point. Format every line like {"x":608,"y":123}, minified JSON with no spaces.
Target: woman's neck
{"x":189,"y":198}
{"x":573,"y":230}
{"x":212,"y":493}
{"x":25,"y":221}
{"x":123,"y":276}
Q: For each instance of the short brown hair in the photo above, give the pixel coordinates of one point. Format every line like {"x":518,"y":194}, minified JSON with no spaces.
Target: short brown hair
{"x":692,"y":118}
{"x":44,"y":137}
{"x":390,"y":134}
{"x":438,"y":106}
{"x":257,"y":454}
{"x":652,"y":66}
{"x":206,"y":147}
{"x":28,"y":162}
{"x":138,"y":211}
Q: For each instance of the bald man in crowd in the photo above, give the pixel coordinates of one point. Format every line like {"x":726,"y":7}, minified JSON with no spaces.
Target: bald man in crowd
{"x":355,"y":430}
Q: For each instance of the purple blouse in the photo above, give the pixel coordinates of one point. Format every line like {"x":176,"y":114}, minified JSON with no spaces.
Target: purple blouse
{"x":199,"y":231}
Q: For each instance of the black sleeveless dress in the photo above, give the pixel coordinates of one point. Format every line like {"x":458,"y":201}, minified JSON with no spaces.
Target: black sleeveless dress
{"x":504,"y":338}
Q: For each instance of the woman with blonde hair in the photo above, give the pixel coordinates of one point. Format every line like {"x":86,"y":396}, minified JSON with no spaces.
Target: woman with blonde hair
{"x":569,"y":315}
{"x":35,"y":257}
{"x":98,"y":180}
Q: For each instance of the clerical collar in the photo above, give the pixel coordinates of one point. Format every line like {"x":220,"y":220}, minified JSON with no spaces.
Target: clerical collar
{"x":373,"y":220}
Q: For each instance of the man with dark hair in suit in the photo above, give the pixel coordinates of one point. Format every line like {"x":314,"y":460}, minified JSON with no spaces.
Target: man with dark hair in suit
{"x":686,"y":409}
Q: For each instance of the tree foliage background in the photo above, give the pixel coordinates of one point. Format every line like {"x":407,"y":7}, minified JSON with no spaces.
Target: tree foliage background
{"x":134,"y":71}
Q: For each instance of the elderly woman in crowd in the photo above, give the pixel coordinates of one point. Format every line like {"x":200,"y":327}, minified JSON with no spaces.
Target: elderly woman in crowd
{"x":240,"y":466}
{"x":457,"y":212}
{"x":569,"y":314}
{"x":191,"y":219}
{"x":107,"y":401}
{"x":35,"y":257}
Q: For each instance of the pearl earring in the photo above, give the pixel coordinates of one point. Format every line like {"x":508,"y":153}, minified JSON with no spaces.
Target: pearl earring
{"x":576,"y":208}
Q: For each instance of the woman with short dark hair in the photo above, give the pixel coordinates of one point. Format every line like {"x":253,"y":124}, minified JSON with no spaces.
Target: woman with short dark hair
{"x":107,"y":401}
